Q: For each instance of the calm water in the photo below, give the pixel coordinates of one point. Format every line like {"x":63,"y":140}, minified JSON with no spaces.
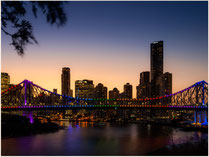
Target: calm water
{"x":90,"y":139}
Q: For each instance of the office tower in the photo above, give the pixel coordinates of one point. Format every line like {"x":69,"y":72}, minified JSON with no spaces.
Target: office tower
{"x":114,"y":94}
{"x":84,"y":88}
{"x":100,"y":91}
{"x":164,"y":84}
{"x":66,"y":81}
{"x":143,"y":88}
{"x":55,"y":91}
{"x":156,"y":59}
{"x":5,"y":81}
{"x":128,"y":91}
{"x":167,"y":83}
{"x":156,"y":49}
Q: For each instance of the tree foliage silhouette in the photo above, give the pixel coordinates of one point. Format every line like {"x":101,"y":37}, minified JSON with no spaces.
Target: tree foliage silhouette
{"x":14,"y":24}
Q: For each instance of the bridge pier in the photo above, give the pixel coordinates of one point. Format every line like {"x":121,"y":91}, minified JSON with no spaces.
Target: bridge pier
{"x":200,"y":117}
{"x":195,"y":117}
{"x":205,"y":120}
{"x":28,"y":114}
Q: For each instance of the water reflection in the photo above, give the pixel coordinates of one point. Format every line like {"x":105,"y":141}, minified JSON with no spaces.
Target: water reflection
{"x":89,"y":138}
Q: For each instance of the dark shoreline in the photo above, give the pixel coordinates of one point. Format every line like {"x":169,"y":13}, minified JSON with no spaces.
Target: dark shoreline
{"x":17,"y":126}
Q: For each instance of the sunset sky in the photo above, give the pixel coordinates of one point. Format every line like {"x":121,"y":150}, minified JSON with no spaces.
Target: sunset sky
{"x":109,"y":43}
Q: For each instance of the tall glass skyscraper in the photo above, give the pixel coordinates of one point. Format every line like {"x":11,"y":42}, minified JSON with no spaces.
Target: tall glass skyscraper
{"x":156,"y":49}
{"x":156,"y":60}
{"x":65,"y":78}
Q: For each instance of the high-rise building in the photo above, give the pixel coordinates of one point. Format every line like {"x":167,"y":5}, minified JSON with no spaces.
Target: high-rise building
{"x":164,"y":84}
{"x":156,"y":60}
{"x":128,"y":91}
{"x":84,"y":88}
{"x":143,"y":88}
{"x":167,"y":83}
{"x":100,"y":91}
{"x":5,"y":81}
{"x":156,"y":49}
{"x":66,"y":81}
{"x":114,"y":94}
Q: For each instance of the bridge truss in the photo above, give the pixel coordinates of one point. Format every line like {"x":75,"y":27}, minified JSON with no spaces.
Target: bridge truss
{"x":29,"y":95}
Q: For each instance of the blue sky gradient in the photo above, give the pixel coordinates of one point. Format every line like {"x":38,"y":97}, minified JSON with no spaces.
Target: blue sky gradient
{"x":109,"y":42}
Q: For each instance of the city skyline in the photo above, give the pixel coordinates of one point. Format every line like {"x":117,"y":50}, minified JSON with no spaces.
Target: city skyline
{"x":120,"y":60}
{"x":104,"y":78}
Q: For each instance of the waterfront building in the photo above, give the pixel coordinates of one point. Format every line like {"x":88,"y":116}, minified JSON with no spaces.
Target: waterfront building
{"x":65,"y":81}
{"x":84,"y":88}
{"x":128,"y":91}
{"x":100,"y":91}
{"x":5,"y":81}
{"x":114,"y":94}
{"x":156,"y":66}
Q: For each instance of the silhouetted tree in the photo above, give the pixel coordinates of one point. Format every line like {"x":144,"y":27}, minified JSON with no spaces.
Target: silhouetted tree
{"x":19,"y":29}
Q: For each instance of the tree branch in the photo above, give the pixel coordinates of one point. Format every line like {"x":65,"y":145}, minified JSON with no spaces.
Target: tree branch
{"x":5,"y":32}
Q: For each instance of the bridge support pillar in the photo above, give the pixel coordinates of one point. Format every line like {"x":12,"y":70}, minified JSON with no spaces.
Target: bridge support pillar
{"x":28,"y":114}
{"x":199,"y":116}
{"x":195,"y":117}
{"x":205,"y":120}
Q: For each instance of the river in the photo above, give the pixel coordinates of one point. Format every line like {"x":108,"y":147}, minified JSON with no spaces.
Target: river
{"x":86,"y":138}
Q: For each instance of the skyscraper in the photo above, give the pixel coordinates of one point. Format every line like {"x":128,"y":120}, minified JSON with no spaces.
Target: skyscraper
{"x":156,"y":60}
{"x":164,"y":84}
{"x":167,"y":83}
{"x":5,"y":81}
{"x":66,"y":81}
{"x":156,"y":49}
{"x":128,"y":91}
{"x":84,"y":88}
{"x":143,"y":88}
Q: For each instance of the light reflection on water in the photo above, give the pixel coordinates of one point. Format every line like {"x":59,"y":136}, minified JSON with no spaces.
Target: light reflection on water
{"x":88,"y":138}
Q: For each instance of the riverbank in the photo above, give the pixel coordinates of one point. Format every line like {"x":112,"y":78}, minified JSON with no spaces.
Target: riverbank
{"x":191,"y":149}
{"x":15,"y":125}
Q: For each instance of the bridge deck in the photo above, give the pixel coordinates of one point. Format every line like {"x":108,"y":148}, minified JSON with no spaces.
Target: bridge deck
{"x":66,"y":107}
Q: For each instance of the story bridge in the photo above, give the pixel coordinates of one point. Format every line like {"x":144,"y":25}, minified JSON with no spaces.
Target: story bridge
{"x":29,"y":96}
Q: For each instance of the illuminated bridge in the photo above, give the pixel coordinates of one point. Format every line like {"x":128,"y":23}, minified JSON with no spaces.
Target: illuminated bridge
{"x":29,"y":96}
